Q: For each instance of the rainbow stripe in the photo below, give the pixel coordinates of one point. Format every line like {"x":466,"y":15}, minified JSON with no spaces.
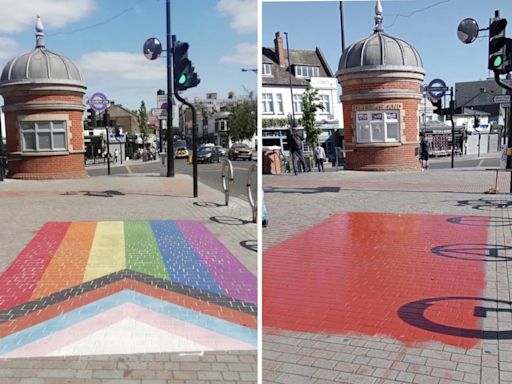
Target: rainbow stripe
{"x":64,"y":255}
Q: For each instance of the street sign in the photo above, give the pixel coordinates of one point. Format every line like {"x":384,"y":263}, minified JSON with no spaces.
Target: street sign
{"x":501,"y":99}
{"x":436,"y":89}
{"x":156,"y":112}
{"x":98,"y":102}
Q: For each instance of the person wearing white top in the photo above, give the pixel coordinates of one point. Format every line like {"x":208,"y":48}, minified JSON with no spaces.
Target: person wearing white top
{"x":320,"y":157}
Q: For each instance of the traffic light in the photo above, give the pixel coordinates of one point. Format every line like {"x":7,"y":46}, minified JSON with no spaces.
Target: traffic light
{"x":91,"y":118}
{"x":184,"y":75}
{"x":106,"y":119}
{"x":438,"y":107}
{"x":497,"y":45}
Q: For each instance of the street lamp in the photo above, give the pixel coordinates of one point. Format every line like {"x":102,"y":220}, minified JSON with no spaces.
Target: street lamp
{"x":152,"y":49}
{"x":250,"y":70}
{"x":290,"y":77}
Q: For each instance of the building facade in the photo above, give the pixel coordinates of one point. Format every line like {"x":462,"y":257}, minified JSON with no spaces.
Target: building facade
{"x":381,"y":79}
{"x":284,"y":81}
{"x":43,"y":104}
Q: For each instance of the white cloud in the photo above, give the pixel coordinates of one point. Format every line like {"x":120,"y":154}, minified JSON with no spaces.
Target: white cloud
{"x":122,"y":66}
{"x":246,"y":54}
{"x":18,"y":15}
{"x":244,"y":14}
{"x":8,"y":48}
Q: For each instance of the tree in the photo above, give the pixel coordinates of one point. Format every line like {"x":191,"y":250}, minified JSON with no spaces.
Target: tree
{"x":311,"y":104}
{"x":243,"y":120}
{"x":142,"y":117}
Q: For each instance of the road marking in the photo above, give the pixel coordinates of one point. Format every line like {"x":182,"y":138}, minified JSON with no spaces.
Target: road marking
{"x":129,"y":169}
{"x":480,"y":162}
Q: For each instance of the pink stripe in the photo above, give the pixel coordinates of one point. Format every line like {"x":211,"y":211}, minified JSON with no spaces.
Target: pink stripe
{"x":233,"y":278}
{"x":19,"y":280}
{"x":60,"y":339}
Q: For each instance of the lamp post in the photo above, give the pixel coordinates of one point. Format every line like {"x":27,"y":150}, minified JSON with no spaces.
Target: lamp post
{"x":170,"y":133}
{"x":250,"y":70}
{"x":290,"y":77}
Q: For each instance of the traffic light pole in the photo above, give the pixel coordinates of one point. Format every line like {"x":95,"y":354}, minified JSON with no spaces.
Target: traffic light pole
{"x":509,"y":128}
{"x":170,"y":130}
{"x":452,"y":111}
{"x":194,"y":138}
{"x":2,"y":160}
{"x":108,"y":150}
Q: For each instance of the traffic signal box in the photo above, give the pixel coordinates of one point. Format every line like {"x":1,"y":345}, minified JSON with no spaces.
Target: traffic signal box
{"x":184,"y":75}
{"x":91,"y":118}
{"x":499,"y":59}
{"x":438,"y":107}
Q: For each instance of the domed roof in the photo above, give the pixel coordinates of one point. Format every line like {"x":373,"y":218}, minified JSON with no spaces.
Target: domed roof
{"x":40,"y":66}
{"x":380,"y":52}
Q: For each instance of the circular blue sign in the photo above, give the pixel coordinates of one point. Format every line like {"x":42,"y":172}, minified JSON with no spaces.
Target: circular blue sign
{"x":98,"y":102}
{"x":437,"y":88}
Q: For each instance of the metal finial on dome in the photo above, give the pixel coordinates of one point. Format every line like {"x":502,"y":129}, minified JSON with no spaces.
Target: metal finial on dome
{"x":39,"y":33}
{"x":378,"y":17}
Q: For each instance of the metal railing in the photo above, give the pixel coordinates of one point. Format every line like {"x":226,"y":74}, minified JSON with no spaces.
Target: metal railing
{"x":227,"y":180}
{"x":252,"y":201}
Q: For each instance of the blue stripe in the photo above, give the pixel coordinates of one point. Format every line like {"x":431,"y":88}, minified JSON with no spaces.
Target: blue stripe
{"x":183,"y":265}
{"x":58,"y":323}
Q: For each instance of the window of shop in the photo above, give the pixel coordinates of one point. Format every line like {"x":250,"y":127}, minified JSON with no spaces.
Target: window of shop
{"x":377,"y":126}
{"x":44,"y":136}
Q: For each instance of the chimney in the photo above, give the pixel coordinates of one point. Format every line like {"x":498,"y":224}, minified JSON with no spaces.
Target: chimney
{"x":278,"y":43}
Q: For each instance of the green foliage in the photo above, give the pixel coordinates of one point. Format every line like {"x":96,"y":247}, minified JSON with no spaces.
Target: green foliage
{"x":279,"y":122}
{"x":242,"y":121}
{"x":142,"y":117}
{"x":312,"y":104}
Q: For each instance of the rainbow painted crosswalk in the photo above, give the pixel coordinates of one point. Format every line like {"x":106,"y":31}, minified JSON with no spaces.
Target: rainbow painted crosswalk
{"x":145,"y":274}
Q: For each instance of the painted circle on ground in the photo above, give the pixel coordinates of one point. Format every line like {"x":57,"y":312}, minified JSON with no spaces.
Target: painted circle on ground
{"x":430,"y":314}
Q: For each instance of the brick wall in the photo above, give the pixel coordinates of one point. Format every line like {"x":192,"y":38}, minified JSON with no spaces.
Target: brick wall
{"x":47,"y":166}
{"x":375,"y":157}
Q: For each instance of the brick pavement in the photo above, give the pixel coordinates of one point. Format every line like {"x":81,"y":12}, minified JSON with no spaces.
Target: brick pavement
{"x":126,"y":279}
{"x":467,"y":337}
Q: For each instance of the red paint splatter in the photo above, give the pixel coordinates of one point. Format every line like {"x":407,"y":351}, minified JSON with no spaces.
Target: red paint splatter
{"x":354,"y":271}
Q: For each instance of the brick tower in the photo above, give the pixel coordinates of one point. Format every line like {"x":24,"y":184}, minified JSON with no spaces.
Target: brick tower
{"x":43,"y":105}
{"x":381,"y":78}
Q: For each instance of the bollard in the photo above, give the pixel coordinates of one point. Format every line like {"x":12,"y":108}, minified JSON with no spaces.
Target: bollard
{"x":227,"y":181}
{"x":252,"y":202}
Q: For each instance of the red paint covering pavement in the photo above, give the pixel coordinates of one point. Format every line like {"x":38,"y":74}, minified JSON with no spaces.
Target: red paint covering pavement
{"x":353,"y":272}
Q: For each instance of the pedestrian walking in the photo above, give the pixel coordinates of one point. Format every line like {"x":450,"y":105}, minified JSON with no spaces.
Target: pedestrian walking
{"x":116,"y":155}
{"x":423,"y":153}
{"x":320,"y":157}
{"x":295,"y":145}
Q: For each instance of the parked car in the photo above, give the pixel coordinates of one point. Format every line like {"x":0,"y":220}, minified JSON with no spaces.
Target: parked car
{"x":180,"y":149}
{"x":181,"y":152}
{"x":221,"y":149}
{"x":208,"y":155}
{"x":240,"y":151}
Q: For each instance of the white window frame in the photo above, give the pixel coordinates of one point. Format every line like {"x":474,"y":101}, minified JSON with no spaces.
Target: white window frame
{"x":307,"y":71}
{"x":39,"y":129}
{"x":298,"y":104}
{"x":266,"y":69}
{"x":325,"y":100}
{"x":279,"y":104}
{"x":370,"y":123}
{"x":267,"y":102}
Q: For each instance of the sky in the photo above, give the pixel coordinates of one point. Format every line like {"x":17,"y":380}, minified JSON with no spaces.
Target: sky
{"x":104,"y":38}
{"x":430,"y":26}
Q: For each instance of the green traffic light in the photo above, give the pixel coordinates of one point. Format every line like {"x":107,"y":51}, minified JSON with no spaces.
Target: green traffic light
{"x":182,"y":79}
{"x":498,"y":61}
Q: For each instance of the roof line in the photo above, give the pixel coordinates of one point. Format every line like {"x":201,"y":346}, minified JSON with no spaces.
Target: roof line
{"x":324,"y":62}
